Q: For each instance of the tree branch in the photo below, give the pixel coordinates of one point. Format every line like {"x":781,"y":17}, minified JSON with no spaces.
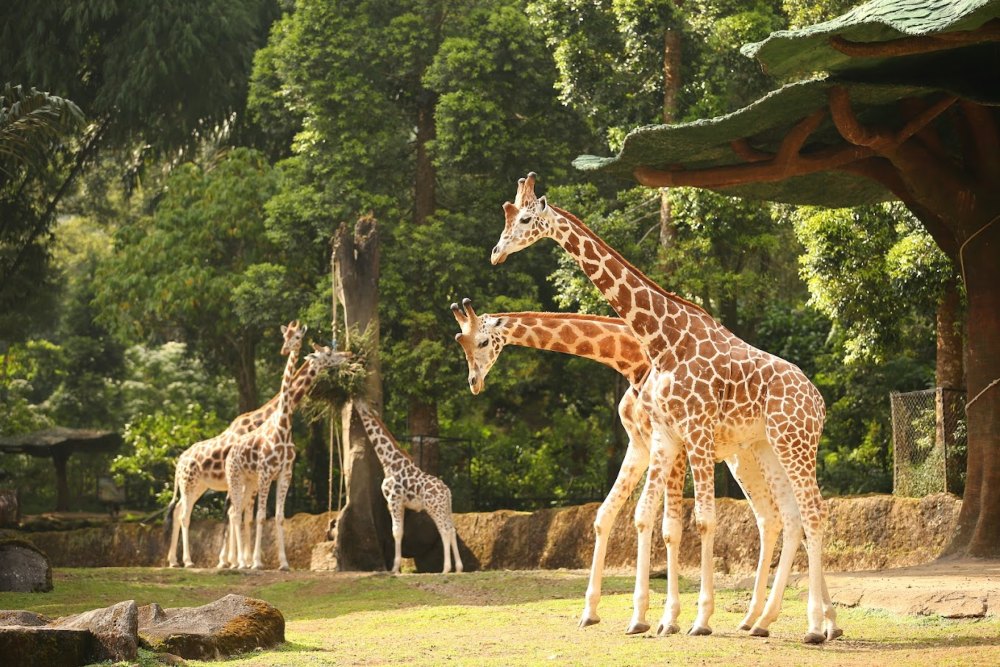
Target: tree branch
{"x":881,"y":141}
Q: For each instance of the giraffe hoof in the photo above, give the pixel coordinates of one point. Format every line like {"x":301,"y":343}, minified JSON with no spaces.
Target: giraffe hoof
{"x":637,"y":628}
{"x":699,"y":631}
{"x":173,"y":565}
{"x":665,"y":630}
{"x":814,"y":638}
{"x":588,"y":621}
{"x":189,"y":564}
{"x":284,"y":567}
{"x":833,"y":634}
{"x":760,"y":632}
{"x":744,"y":627}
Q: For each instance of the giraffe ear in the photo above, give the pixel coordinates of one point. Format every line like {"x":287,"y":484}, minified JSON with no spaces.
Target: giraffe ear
{"x":458,"y":338}
{"x":284,"y":329}
{"x":542,"y":203}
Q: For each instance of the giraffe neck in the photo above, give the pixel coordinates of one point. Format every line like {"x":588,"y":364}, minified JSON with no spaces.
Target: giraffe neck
{"x":606,"y":340}
{"x":250,"y":421}
{"x":388,"y":452}
{"x":286,"y":381}
{"x":656,"y":317}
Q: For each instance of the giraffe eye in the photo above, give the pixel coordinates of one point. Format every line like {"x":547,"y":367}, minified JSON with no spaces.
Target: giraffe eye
{"x":526,"y":219}
{"x":484,"y":342}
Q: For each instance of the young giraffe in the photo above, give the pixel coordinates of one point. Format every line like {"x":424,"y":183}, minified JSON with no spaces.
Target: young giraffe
{"x":609,"y":341}
{"x":408,"y":487}
{"x":267,"y":454}
{"x":202,"y":465}
{"x":712,"y":393}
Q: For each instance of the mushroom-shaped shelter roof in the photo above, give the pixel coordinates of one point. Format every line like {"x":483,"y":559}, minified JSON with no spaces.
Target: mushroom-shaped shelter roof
{"x":60,"y":439}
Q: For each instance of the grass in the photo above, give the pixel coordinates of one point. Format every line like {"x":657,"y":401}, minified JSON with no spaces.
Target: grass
{"x":510,"y":618}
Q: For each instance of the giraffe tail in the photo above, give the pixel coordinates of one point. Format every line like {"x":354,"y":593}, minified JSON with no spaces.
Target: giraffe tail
{"x":168,"y":521}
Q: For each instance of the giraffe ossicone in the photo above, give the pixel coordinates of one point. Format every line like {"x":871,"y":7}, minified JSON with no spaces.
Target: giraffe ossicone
{"x":712,"y":394}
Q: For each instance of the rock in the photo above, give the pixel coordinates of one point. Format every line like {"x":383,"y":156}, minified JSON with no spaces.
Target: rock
{"x":46,"y":646}
{"x":10,"y":509}
{"x":22,"y":617}
{"x":116,"y":629}
{"x":151,"y":613}
{"x":24,"y":568}
{"x":324,"y":557}
{"x":222,"y":628}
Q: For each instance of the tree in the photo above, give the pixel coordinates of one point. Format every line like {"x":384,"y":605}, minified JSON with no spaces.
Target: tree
{"x":150,"y":78}
{"x":201,"y":269}
{"x":904,"y":114}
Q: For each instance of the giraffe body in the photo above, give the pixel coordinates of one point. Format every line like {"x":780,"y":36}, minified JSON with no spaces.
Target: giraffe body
{"x":711,"y":393}
{"x":610,"y":342}
{"x":408,"y":487}
{"x":201,"y":466}
{"x":267,"y":455}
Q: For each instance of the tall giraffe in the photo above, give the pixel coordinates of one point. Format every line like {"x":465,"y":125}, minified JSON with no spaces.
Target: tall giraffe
{"x":408,"y":487}
{"x":712,"y":393}
{"x":266,"y":455}
{"x":608,"y":341}
{"x":201,"y":466}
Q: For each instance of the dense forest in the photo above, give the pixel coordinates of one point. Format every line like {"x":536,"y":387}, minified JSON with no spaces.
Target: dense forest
{"x":186,"y":166}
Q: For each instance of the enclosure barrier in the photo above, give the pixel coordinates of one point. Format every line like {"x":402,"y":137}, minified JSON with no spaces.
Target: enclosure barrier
{"x":929,"y":442}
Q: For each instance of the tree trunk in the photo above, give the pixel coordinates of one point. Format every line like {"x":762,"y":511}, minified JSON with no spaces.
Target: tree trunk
{"x":59,"y":460}
{"x":949,"y":372}
{"x":246,"y":375}
{"x":671,"y":88}
{"x":981,"y":504}
{"x":422,"y":424}
{"x":317,"y":455}
{"x":363,"y":536}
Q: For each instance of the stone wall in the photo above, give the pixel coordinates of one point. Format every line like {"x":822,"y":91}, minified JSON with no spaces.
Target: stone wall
{"x":864,"y":533}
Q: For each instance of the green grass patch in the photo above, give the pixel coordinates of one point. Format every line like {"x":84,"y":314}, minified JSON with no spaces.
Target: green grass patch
{"x":510,"y":618}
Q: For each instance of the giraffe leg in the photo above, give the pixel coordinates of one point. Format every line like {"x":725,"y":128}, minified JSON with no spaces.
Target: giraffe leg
{"x":748,"y":474}
{"x":445,"y":529}
{"x":284,"y":481}
{"x":791,"y":535}
{"x":398,"y":512}
{"x":635,"y":462}
{"x":263,"y":490}
{"x":187,"y":505}
{"x":454,"y":545}
{"x":661,"y":460}
{"x":798,"y":459}
{"x":175,"y":532}
{"x":703,"y":473}
{"x":672,"y":530}
{"x":236,"y":496}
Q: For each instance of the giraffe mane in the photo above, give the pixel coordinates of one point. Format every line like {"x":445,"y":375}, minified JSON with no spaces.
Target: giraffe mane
{"x":614,"y":253}
{"x":388,"y":433}
{"x":597,"y":319}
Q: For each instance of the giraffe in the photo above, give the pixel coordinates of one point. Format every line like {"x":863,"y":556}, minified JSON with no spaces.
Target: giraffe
{"x":712,"y":393}
{"x":202,"y":465}
{"x":609,"y":341}
{"x":408,"y":487}
{"x":267,"y":454}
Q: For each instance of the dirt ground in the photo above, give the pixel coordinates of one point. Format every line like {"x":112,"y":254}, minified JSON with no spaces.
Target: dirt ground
{"x":952,"y":588}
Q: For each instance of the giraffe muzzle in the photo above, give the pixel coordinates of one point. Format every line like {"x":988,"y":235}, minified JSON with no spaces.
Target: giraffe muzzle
{"x":475,"y":384}
{"x":497,"y":256}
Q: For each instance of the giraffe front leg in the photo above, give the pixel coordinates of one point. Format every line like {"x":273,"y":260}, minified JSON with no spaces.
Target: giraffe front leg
{"x":236,"y":496}
{"x":397,"y":511}
{"x":263,"y":489}
{"x":703,"y":472}
{"x":279,"y":516}
{"x":672,"y":531}
{"x":185,"y":523}
{"x":636,"y":460}
{"x":454,"y":545}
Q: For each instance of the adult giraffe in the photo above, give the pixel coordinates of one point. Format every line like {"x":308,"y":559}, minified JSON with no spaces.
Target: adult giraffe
{"x":202,"y":465}
{"x":608,"y":341}
{"x":711,"y":393}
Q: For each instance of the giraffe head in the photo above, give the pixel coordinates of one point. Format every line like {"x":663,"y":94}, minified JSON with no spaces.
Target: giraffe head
{"x":482,"y":340}
{"x":293,"y":332}
{"x":325,"y":357}
{"x":526,"y":220}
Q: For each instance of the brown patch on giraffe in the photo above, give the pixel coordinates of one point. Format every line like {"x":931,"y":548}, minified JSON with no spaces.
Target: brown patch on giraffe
{"x":642,"y":301}
{"x":607,"y":346}
{"x":624,"y":299}
{"x":573,"y":244}
{"x":603,"y":281}
{"x":585,"y":348}
{"x":568,"y":334}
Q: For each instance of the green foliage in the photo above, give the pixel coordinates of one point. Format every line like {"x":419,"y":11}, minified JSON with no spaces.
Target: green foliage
{"x":153,"y":442}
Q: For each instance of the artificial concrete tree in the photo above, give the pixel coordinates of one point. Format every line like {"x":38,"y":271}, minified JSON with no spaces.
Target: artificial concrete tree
{"x":892,"y":101}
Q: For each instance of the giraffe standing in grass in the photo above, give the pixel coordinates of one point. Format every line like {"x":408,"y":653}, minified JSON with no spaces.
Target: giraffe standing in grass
{"x":408,"y":487}
{"x":712,"y":394}
{"x":266,"y":455}
{"x":202,"y":465}
{"x":608,"y":341}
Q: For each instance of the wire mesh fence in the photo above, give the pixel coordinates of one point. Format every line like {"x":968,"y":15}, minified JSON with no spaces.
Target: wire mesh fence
{"x":929,"y":442}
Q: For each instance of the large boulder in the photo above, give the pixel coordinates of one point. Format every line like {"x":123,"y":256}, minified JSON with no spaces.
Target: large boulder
{"x":29,"y":646}
{"x":24,"y":568}
{"x":115,"y":628}
{"x":233,"y":624}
